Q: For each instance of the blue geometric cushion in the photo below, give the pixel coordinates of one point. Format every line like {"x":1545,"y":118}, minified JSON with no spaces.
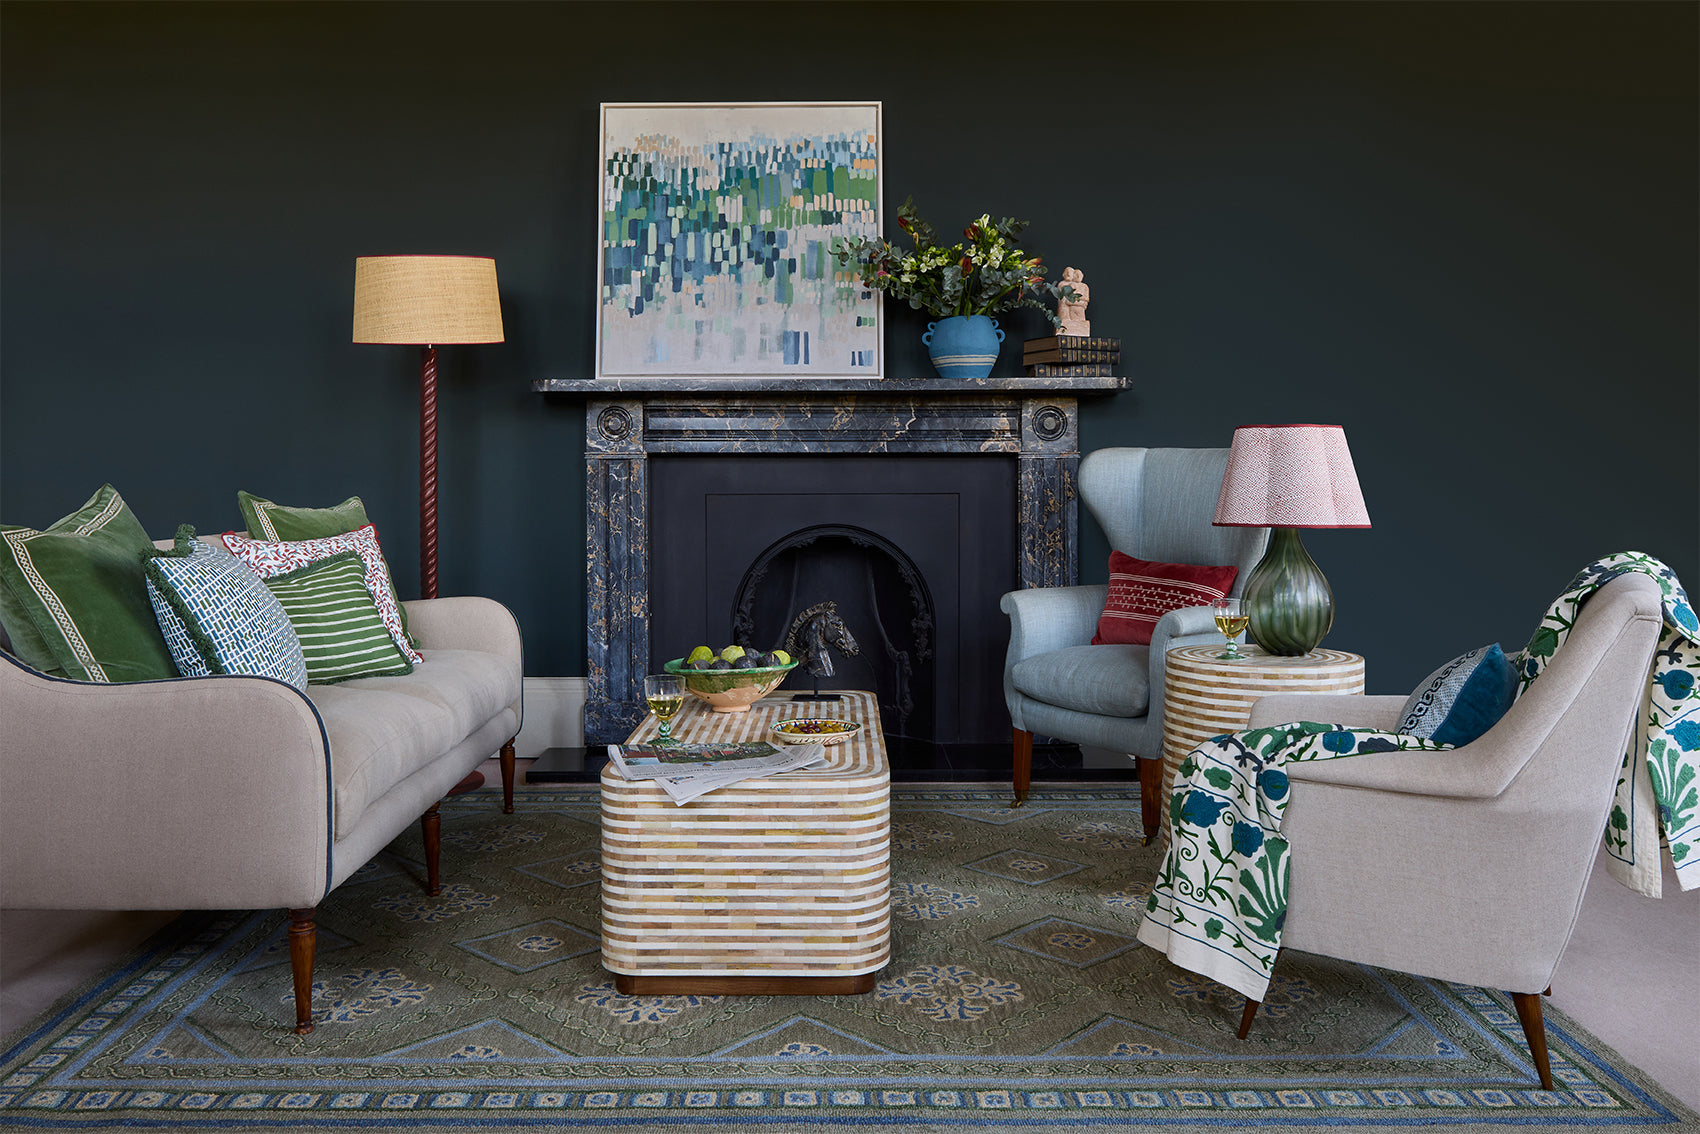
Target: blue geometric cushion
{"x":1462,"y":699}
{"x":218,"y":617}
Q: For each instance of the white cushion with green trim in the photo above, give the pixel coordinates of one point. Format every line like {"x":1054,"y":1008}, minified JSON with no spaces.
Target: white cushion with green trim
{"x":341,"y":633}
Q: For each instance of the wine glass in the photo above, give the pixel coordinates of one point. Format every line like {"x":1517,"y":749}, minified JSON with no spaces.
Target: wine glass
{"x":1231,"y":620}
{"x":665,"y":693}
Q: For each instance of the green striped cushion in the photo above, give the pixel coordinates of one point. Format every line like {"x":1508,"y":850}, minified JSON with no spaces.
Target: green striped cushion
{"x":342,"y":635}
{"x":276,"y":523}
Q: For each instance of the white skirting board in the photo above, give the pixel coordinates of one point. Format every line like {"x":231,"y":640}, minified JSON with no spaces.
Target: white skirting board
{"x":554,"y":715}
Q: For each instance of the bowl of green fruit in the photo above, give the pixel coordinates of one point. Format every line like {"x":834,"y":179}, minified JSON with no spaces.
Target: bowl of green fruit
{"x":733,"y":679}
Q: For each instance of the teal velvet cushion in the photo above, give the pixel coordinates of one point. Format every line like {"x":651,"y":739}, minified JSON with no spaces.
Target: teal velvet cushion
{"x":1106,"y":681}
{"x":1462,"y":699}
{"x":278,"y":523}
{"x":218,"y":617}
{"x":342,"y":635}
{"x":74,"y":598}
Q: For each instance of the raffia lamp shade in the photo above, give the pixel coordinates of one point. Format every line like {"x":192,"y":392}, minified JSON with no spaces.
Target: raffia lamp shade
{"x":426,"y":301}
{"x":1286,"y":477}
{"x":420,"y":300}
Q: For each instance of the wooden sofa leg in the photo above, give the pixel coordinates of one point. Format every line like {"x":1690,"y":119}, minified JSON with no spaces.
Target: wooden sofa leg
{"x":303,"y":940}
{"x":508,"y":776}
{"x":1022,"y":742}
{"x":1151,"y":796}
{"x":431,"y":831}
{"x":1535,"y":1032}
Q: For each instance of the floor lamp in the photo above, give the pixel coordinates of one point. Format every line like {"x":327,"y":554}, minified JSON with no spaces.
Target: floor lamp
{"x":426,"y":301}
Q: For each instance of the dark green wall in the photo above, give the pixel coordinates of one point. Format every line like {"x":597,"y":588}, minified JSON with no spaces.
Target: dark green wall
{"x":1465,"y":232}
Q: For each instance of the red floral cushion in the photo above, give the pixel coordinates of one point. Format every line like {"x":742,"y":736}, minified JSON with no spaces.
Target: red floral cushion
{"x":268,"y":558}
{"x":1141,"y":592}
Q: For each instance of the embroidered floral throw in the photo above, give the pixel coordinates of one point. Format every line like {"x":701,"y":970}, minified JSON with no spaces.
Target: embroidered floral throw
{"x":1220,"y":898}
{"x":1658,"y":791}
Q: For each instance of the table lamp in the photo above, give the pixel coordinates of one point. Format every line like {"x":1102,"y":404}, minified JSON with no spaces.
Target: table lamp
{"x":1286,"y":477}
{"x":425,"y":301}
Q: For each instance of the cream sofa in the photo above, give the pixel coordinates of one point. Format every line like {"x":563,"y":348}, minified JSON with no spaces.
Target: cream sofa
{"x":241,"y":792}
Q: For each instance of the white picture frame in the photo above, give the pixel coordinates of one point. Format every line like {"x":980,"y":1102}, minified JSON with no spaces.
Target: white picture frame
{"x":714,"y":235}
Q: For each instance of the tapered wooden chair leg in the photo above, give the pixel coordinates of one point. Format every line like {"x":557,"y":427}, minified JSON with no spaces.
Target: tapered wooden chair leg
{"x":303,"y":941}
{"x":1251,"y":1007}
{"x":1535,"y":1032}
{"x":1022,"y":742}
{"x":431,"y":831}
{"x":1151,"y":797}
{"x":508,"y":777}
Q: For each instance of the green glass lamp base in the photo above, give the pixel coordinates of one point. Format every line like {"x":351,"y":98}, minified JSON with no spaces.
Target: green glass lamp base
{"x":1287,"y":599}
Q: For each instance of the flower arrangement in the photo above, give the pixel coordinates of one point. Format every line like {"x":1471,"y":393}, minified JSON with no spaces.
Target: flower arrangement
{"x":982,"y":276}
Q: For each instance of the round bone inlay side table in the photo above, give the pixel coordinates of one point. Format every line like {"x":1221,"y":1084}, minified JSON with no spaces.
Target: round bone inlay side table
{"x":1204,"y":696}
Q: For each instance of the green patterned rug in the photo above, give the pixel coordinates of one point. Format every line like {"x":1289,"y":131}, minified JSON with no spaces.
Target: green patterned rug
{"x":1017,"y":997}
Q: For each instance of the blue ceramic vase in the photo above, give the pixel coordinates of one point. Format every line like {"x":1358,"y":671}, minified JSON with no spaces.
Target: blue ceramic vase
{"x":963,"y":346}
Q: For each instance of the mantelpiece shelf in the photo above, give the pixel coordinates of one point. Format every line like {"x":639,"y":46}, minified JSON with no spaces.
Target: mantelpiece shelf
{"x":615,"y":387}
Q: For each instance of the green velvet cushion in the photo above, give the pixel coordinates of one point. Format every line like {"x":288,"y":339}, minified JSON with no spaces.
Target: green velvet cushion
{"x":280,"y":523}
{"x":341,"y":633}
{"x":269,"y":520}
{"x":75,"y":599}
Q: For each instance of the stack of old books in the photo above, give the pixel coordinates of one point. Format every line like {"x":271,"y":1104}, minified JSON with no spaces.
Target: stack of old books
{"x":1071,"y":356}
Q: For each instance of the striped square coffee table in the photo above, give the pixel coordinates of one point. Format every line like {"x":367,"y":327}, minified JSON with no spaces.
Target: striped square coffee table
{"x":771,"y":886}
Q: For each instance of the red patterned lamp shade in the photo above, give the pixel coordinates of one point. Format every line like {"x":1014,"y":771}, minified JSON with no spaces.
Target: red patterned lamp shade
{"x":1287,"y":477}
{"x":1291,"y":476}
{"x":424,"y":301}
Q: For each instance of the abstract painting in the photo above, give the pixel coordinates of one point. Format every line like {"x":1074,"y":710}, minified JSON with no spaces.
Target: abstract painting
{"x":714,"y":247}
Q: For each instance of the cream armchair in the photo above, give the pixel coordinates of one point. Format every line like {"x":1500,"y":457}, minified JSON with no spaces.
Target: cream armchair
{"x":1469,"y":865}
{"x":1153,"y":504}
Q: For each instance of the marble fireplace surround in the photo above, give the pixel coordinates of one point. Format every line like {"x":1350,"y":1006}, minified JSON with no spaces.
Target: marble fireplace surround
{"x":1034,"y":420}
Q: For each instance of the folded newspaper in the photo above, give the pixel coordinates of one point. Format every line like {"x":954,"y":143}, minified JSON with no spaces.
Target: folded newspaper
{"x":690,"y":771}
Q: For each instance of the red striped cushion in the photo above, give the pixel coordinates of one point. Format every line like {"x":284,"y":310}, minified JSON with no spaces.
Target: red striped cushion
{"x":1141,"y":592}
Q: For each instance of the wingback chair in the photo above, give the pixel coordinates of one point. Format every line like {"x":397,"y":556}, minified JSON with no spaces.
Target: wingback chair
{"x":1469,"y":865}
{"x":1153,"y":504}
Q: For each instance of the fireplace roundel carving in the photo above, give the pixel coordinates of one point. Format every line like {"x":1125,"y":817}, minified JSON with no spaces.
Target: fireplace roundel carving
{"x":1049,"y":423}
{"x":614,"y":423}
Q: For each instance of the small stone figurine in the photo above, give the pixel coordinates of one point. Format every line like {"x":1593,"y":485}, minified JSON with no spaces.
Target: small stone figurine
{"x":1072,"y":312}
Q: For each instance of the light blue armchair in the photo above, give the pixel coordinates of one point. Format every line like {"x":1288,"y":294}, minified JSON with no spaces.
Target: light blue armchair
{"x":1153,"y":504}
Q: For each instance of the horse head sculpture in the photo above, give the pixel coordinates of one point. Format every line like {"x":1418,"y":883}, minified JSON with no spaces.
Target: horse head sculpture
{"x":815,"y":633}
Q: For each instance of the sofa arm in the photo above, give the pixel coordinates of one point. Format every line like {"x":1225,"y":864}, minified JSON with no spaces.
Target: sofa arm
{"x":1042,"y":619}
{"x":465,"y":622}
{"x":194,"y":793}
{"x":1480,"y":770}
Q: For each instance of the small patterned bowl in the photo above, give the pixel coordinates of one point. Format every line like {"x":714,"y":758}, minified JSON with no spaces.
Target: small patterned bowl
{"x":730,"y":690}
{"x":814,"y":730}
